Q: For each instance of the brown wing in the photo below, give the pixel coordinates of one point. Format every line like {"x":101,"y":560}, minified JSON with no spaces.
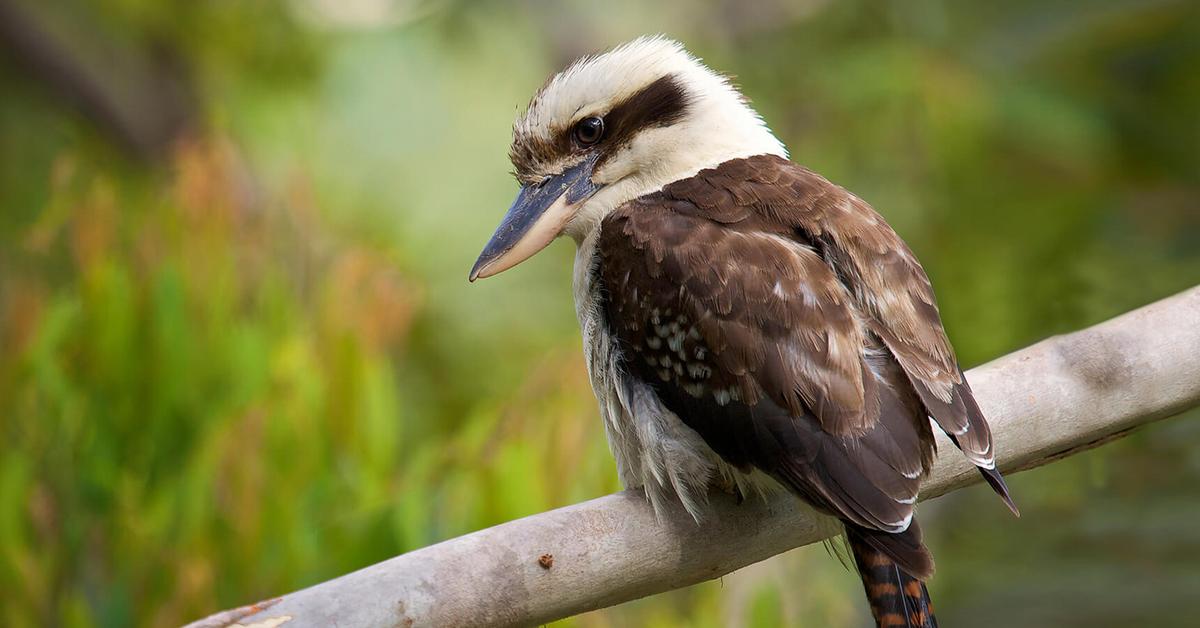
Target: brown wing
{"x":889,"y":289}
{"x":753,"y":341}
{"x":784,"y":320}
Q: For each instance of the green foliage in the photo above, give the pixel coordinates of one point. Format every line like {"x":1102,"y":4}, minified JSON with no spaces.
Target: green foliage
{"x":258,"y":365}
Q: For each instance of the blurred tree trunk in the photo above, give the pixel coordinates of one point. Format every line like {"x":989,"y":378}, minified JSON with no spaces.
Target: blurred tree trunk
{"x":138,"y":94}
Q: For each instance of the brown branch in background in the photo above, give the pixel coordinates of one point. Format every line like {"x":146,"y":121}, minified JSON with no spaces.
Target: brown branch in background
{"x":1058,"y":397}
{"x":139,"y":96}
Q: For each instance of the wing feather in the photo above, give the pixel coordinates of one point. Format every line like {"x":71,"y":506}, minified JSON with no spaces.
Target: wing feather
{"x":758,"y":348}
{"x":890,"y":290}
{"x":782,"y":319}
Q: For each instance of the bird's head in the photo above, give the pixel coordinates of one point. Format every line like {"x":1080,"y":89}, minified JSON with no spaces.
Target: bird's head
{"x":613,"y":127}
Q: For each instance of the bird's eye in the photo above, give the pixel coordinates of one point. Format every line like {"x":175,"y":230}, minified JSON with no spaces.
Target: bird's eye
{"x":589,"y":131}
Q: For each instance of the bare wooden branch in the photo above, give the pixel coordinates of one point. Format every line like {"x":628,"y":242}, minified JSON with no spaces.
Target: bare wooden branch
{"x":1045,"y":402}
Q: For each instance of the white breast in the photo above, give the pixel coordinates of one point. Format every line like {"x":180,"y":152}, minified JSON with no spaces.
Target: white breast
{"x":653,"y":448}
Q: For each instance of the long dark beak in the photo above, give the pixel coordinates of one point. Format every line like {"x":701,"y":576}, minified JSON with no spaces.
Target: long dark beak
{"x":539,"y":215}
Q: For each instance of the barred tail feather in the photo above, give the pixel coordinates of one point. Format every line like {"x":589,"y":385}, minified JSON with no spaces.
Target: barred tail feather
{"x":897,"y":598}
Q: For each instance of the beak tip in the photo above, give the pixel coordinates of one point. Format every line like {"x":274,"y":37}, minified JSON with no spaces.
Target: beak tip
{"x":477,"y":271}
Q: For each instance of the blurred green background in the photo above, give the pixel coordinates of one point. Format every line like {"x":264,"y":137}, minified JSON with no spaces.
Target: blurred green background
{"x":239,"y":355}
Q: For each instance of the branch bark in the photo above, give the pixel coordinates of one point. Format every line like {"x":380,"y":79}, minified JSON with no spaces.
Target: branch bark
{"x":1060,"y":396}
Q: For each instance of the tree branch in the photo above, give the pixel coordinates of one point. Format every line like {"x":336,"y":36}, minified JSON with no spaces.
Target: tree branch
{"x":1056,"y":398}
{"x":139,"y":95}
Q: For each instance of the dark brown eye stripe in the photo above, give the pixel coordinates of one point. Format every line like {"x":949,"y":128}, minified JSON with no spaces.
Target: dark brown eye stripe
{"x":660,"y":103}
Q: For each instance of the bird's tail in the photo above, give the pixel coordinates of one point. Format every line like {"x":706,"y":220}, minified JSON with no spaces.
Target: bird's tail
{"x":898,"y":599}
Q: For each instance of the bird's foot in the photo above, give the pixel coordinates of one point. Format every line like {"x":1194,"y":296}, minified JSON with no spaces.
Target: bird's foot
{"x":730,"y":486}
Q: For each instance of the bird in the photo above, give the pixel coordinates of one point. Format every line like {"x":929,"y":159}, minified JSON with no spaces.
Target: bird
{"x":746,"y":323}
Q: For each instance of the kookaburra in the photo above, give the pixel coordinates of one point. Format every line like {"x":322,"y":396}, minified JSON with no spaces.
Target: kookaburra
{"x":745,"y":321}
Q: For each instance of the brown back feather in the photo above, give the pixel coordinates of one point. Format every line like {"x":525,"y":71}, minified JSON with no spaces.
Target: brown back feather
{"x":781,"y":318}
{"x":890,"y":292}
